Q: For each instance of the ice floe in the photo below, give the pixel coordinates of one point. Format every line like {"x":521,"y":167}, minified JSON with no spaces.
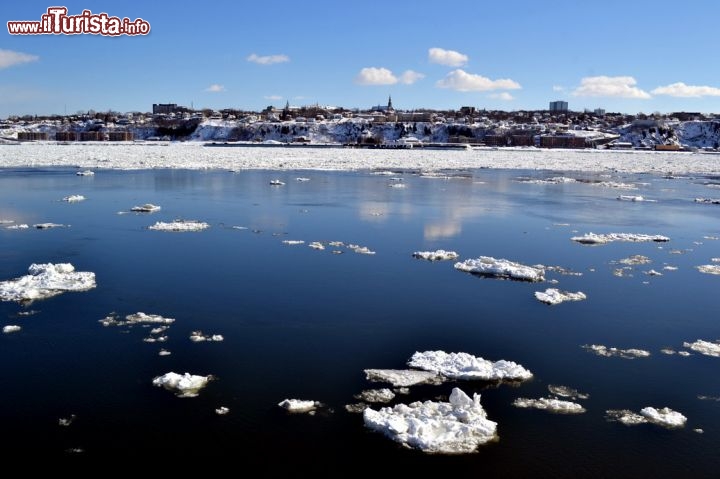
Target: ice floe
{"x":547,"y":181}
{"x":635,"y":260}
{"x":299,"y":405}
{"x":222,"y":410}
{"x":21,"y":226}
{"x":566,"y":392}
{"x":554,"y":296}
{"x":665,"y":417}
{"x":11,"y":328}
{"x":85,"y":173}
{"x":709,"y":268}
{"x":631,"y":353}
{"x":74,"y":198}
{"x":46,"y":280}
{"x":403,"y":377}
{"x":136,"y":318}
{"x":501,"y":268}
{"x":47,"y":226}
{"x":671,"y":351}
{"x":277,"y":183}
{"x":634,"y":198}
{"x":458,"y":426}
{"x":316,"y":245}
{"x":293,"y":242}
{"x":146,"y":208}
{"x":550,"y":404}
{"x":437,"y":255}
{"x":198,"y":336}
{"x":704,"y":347}
{"x":466,"y":366}
{"x":709,"y":201}
{"x":301,"y":179}
{"x":376,"y":395}
{"x":360,"y":249}
{"x":164,"y":352}
{"x":179,"y":225}
{"x":184,"y":385}
{"x":66,"y":421}
{"x":592,"y":238}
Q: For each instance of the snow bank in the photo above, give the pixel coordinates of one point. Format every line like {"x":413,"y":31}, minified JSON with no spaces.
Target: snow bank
{"x":631,"y":353}
{"x":46,"y":280}
{"x":704,"y":347}
{"x":458,"y":426}
{"x":501,"y":268}
{"x":184,"y":385}
{"x":550,"y":404}
{"x":554,"y":296}
{"x":403,"y":377}
{"x":299,"y":405}
{"x":466,"y":366}
{"x":437,"y":255}
{"x":592,"y":238}
{"x":179,"y":225}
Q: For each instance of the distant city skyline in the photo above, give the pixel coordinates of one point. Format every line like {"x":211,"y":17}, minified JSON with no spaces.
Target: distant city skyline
{"x":645,"y":56}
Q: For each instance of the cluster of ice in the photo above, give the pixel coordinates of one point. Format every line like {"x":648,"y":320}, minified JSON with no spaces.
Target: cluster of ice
{"x":179,"y":225}
{"x":21,"y":226}
{"x":47,"y":226}
{"x":563,"y":271}
{"x":437,"y":255}
{"x":85,"y":173}
{"x":467,"y":366}
{"x":704,"y":347}
{"x":592,"y":238}
{"x":710,"y":201}
{"x":46,"y":280}
{"x":198,"y":336}
{"x":635,"y":260}
{"x":634,"y":198}
{"x":299,"y":405}
{"x":501,"y":268}
{"x":631,"y":353}
{"x":458,"y":426}
{"x":616,"y":184}
{"x":566,"y":392}
{"x":316,"y":245}
{"x":709,"y":268}
{"x":550,"y":404}
{"x":146,"y":208}
{"x":136,"y":318}
{"x":360,"y":249}
{"x":74,"y":198}
{"x":665,"y":417}
{"x":184,"y":385}
{"x":11,"y":328}
{"x":548,"y":181}
{"x":403,"y":377}
{"x":376,"y":395}
{"x":554,"y":296}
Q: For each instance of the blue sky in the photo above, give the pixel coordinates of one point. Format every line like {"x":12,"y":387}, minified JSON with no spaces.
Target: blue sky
{"x":630,"y":57}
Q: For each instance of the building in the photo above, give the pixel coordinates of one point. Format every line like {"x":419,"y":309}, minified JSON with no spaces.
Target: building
{"x":164,"y":108}
{"x":558,"y":105}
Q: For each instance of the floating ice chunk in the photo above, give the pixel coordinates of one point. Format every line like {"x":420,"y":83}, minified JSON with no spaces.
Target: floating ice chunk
{"x":670,"y":268}
{"x":356,"y":408}
{"x":146,"y":208}
{"x":715,"y":260}
{"x":631,"y":353}
{"x":592,"y":238}
{"x":277,"y":182}
{"x":501,"y":268}
{"x":709,"y":201}
{"x":317,"y":245}
{"x":625,"y":416}
{"x":301,"y":179}
{"x":709,"y":268}
{"x":154,"y":339}
{"x":563,"y":271}
{"x":46,"y":280}
{"x":293,"y":242}
{"x":21,"y":226}
{"x":704,"y":347}
{"x":11,"y":328}
{"x":360,"y":249}
{"x":459,"y":426}
{"x":437,"y":255}
{"x":6,"y":222}
{"x":85,"y":173}
{"x":635,"y":260}
{"x":376,"y":395}
{"x":299,"y":405}
{"x":66,"y":421}
{"x":565,"y":391}
{"x":548,"y":181}
{"x":403,"y":377}
{"x":141,"y":317}
{"x":467,"y":366}
{"x":185,"y":385}
{"x":550,"y":404}
{"x":616,"y":184}
{"x":164,"y":352}
{"x":652,"y":272}
{"x":555,"y":296}
{"x":74,"y":198}
{"x":397,"y":185}
{"x":663,"y":417}
{"x":633,"y":198}
{"x":198,"y":336}
{"x":222,"y":410}
{"x":47,"y":226}
{"x":179,"y":225}
{"x":702,"y":397}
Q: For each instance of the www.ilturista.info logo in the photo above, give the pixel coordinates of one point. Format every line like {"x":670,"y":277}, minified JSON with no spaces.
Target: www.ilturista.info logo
{"x":57,"y":22}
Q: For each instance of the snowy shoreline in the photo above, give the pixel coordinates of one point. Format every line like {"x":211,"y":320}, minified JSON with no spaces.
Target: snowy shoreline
{"x":193,"y":155}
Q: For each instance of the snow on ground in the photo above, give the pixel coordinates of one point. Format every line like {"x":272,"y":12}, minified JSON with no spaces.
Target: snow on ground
{"x":403,"y":377}
{"x":11,"y":328}
{"x":631,"y":353}
{"x":184,"y":385}
{"x":709,"y":268}
{"x":437,"y":255}
{"x":550,"y":404}
{"x":665,"y":417}
{"x":299,"y":405}
{"x":501,"y":268}
{"x":179,"y":225}
{"x":592,"y":238}
{"x":192,"y":155}
{"x":146,"y":208}
{"x":467,"y":366}
{"x":704,"y":347}
{"x":46,"y":280}
{"x":554,"y":296}
{"x":458,"y":426}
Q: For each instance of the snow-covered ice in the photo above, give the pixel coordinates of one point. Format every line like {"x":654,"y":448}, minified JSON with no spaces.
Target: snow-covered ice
{"x":554,"y":296}
{"x":709,"y":201}
{"x":11,"y":328}
{"x":403,"y":377}
{"x":664,"y":417}
{"x":466,"y":366}
{"x":501,"y":268}
{"x":709,"y":268}
{"x":21,"y":226}
{"x":566,"y":392}
{"x":459,"y":426}
{"x":46,"y":280}
{"x":631,"y":353}
{"x":293,"y":242}
{"x":376,"y":395}
{"x":316,"y":245}
{"x":198,"y":336}
{"x":636,"y":259}
{"x":184,"y":385}
{"x":592,"y":238}
{"x":179,"y":225}
{"x":299,"y":405}
{"x":146,"y":208}
{"x":437,"y":255}
{"x":550,"y":404}
{"x":704,"y":347}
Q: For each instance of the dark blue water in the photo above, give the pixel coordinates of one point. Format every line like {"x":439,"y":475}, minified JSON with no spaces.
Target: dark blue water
{"x":301,"y":323}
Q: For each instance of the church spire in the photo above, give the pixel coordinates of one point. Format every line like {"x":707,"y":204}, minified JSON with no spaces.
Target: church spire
{"x":390,"y":107}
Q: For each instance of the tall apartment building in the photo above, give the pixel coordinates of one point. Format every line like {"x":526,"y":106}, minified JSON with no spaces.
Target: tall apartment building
{"x":558,"y":106}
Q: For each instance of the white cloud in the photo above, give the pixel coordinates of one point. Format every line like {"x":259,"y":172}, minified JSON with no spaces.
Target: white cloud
{"x":268,"y":59}
{"x":409,"y":77}
{"x":449,"y":58}
{"x":9,"y":58}
{"x":622,"y":87}
{"x":215,"y":88}
{"x":375,"y":76}
{"x":273,"y":97}
{"x":558,"y":88}
{"x":682,"y":90}
{"x":502,"y":96}
{"x":460,"y":80}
